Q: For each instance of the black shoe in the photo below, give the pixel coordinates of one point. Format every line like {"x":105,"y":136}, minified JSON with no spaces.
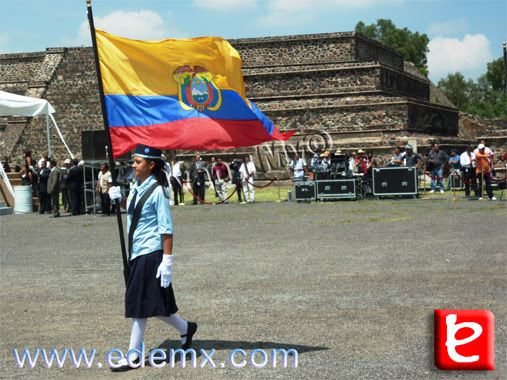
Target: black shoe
{"x":191,"y":329}
{"x":55,"y":216}
{"x":125,"y":367}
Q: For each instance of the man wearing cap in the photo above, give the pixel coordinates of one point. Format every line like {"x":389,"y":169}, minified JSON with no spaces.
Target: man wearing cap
{"x":411,"y":159}
{"x":483,"y":171}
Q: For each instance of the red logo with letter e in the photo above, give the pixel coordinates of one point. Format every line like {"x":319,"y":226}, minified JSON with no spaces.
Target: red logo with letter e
{"x":464,"y":340}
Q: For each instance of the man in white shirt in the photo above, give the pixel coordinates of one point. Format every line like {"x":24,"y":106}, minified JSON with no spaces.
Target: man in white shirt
{"x":467,"y":162}
{"x":176,"y":182}
{"x":247,"y":171}
{"x":297,"y":167}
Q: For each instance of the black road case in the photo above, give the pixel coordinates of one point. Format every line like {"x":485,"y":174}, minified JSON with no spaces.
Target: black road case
{"x":337,"y":189}
{"x":304,"y":191}
{"x":395,"y":181}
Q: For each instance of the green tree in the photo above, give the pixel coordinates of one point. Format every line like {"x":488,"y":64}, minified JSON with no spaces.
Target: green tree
{"x":483,"y":97}
{"x":496,"y":74}
{"x":456,"y":89}
{"x":412,"y":46}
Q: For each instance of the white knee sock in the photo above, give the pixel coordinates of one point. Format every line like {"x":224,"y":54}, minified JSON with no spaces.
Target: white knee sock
{"x":137,"y":329}
{"x":178,"y":323}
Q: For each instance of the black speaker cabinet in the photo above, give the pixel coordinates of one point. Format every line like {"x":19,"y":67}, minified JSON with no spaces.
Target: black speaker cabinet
{"x":304,"y":191}
{"x":395,"y":181}
{"x":336,"y":189}
{"x":93,"y":145}
{"x":456,"y":182}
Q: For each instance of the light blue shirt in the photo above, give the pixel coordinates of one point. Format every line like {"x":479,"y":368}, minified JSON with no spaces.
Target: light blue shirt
{"x":154,"y":221}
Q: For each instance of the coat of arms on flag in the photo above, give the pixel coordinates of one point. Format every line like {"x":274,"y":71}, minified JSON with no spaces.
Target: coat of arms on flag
{"x":196,"y":89}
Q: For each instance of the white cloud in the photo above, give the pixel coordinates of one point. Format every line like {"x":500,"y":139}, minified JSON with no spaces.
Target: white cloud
{"x":323,"y":5}
{"x":140,"y":25}
{"x":294,"y":12}
{"x":449,"y":55}
{"x":225,"y":5}
{"x":448,"y":28}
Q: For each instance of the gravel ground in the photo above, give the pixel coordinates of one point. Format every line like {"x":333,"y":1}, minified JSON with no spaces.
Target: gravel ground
{"x":350,"y":285}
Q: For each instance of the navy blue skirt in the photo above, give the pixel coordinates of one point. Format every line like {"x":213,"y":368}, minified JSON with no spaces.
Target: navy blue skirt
{"x":144,"y":296}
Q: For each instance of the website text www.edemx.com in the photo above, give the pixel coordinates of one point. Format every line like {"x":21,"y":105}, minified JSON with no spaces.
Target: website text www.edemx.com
{"x":157,"y":358}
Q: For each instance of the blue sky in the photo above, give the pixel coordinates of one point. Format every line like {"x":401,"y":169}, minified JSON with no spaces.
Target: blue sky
{"x":465,"y":35}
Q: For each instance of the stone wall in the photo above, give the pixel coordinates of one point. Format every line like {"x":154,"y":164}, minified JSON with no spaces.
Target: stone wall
{"x":74,"y":94}
{"x":346,"y":86}
{"x":369,"y":50}
{"x":313,"y":82}
{"x":268,"y":51}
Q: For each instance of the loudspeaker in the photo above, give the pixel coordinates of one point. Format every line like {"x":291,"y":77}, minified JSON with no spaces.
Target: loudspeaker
{"x":93,"y":145}
{"x":304,"y":191}
{"x":456,"y":182}
{"x":336,"y":189}
{"x":395,"y":181}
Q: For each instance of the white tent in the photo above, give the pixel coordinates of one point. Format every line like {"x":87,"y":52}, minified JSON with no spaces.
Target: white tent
{"x":17,"y":105}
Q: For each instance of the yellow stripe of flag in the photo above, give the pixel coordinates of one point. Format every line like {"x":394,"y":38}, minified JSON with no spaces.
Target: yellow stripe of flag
{"x":133,"y":67}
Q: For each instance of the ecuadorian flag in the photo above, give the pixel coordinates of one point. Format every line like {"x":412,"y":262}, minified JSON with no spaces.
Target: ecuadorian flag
{"x":178,"y":94}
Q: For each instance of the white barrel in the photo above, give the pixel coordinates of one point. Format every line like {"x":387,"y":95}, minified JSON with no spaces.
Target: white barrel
{"x":23,"y":199}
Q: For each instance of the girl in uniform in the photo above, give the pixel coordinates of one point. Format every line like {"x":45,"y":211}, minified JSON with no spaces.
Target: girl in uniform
{"x":149,"y":290}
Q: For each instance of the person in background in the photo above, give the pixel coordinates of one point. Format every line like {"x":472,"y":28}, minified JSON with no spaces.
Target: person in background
{"x":45,"y":158}
{"x":5,"y":164}
{"x":198,"y":178}
{"x":54,"y":189}
{"x":373,"y":163}
{"x":75,"y":185}
{"x":362,"y":162}
{"x":352,"y":167}
{"x":26,"y":175}
{"x":297,"y":168}
{"x":467,"y":163}
{"x":104,"y":182}
{"x":397,"y":159}
{"x":176,"y":182}
{"x":44,"y":196}
{"x":437,"y":158}
{"x":211,"y":165}
{"x":454,"y":166}
{"x":64,"y":172}
{"x":33,"y":169}
{"x":236,"y":178}
{"x":220,"y":174}
{"x":410,"y":158}
{"x":483,"y":171}
{"x":487,"y":151}
{"x":247,"y":171}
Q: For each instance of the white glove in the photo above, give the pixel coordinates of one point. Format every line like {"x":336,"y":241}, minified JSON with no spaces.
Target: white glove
{"x":165,"y":270}
{"x":115,"y":193}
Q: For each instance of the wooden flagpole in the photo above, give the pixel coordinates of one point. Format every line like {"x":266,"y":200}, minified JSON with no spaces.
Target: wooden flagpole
{"x":108,"y":139}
